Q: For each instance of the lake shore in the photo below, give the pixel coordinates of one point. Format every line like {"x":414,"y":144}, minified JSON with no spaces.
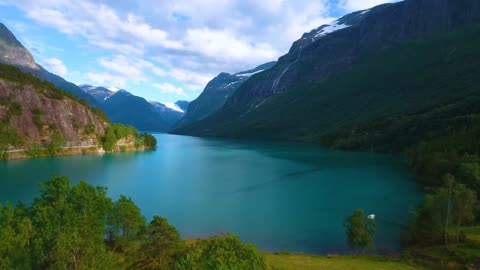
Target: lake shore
{"x":23,"y":154}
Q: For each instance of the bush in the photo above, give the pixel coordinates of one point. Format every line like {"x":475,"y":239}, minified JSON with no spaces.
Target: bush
{"x":9,"y":137}
{"x":118,"y":131}
{"x":149,"y":141}
{"x":219,"y":253}
{"x":55,"y":145}
{"x":35,"y":151}
{"x":15,"y":109}
{"x":3,"y":155}
{"x":37,"y":118}
{"x":89,"y":129}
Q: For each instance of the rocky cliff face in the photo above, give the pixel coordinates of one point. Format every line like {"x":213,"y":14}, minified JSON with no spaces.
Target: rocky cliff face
{"x":42,"y":116}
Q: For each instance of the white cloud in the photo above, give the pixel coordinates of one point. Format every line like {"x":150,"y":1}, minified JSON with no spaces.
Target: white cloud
{"x":355,"y":5}
{"x":105,"y":78}
{"x":55,"y":65}
{"x":226,"y":46}
{"x":169,"y":88}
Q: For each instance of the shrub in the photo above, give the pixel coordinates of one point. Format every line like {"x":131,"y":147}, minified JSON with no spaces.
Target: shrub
{"x":55,"y":145}
{"x":35,"y":151}
{"x":89,"y":129}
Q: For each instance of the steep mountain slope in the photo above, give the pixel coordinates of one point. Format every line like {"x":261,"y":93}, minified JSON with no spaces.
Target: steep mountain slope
{"x":217,"y":92}
{"x":356,"y":70}
{"x":12,"y":52}
{"x":34,"y":112}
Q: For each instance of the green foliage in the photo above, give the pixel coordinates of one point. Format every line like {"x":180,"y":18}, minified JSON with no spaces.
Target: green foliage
{"x":161,"y":244}
{"x":100,"y":114}
{"x":148,"y":141}
{"x":125,"y":221}
{"x":450,"y":206}
{"x":109,"y":140}
{"x":15,"y":109}
{"x":9,"y":137}
{"x":37,"y":118}
{"x":79,"y":227}
{"x":118,"y":131}
{"x":230,"y":253}
{"x":89,"y":129}
{"x":360,"y":230}
{"x":35,"y":150}
{"x":56,"y":144}
{"x":71,"y":224}
{"x":221,"y":253}
{"x":16,"y":230}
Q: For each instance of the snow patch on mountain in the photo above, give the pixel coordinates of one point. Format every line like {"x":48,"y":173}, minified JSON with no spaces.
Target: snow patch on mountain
{"x":232,"y":83}
{"x":114,"y":89}
{"x":248,"y":74}
{"x":365,"y":11}
{"x":174,"y":107}
{"x":328,"y":29}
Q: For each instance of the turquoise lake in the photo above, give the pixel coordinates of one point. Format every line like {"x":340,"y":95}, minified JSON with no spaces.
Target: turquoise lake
{"x":279,"y":196}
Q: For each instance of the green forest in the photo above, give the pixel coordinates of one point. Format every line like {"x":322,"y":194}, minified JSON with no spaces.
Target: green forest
{"x":80,"y":227}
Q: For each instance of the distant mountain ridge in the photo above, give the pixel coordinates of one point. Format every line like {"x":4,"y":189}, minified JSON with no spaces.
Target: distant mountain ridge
{"x":124,"y":107}
{"x":216,"y":93}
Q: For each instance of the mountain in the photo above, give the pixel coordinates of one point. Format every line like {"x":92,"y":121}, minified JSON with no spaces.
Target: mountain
{"x":387,"y":62}
{"x":123,"y":107}
{"x":170,"y":115}
{"x":35,"y":112}
{"x":217,"y":92}
{"x":100,"y":94}
{"x":183,"y":105}
{"x":12,"y":52}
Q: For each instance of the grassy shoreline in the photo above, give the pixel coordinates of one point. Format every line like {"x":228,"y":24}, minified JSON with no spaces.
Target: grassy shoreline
{"x":282,"y":261}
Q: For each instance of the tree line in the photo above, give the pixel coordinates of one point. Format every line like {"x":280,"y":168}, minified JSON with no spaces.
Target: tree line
{"x":80,"y":227}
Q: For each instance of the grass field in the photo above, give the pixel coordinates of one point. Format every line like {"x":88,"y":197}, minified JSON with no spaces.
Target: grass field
{"x":308,"y":262}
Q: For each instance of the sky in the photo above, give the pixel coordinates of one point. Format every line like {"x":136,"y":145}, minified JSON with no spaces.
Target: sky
{"x":163,"y":50}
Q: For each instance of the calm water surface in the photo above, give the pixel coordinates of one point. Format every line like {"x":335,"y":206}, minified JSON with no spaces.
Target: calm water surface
{"x":281,"y":197}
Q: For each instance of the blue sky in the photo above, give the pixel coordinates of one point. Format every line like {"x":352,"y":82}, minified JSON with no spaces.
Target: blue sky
{"x":163,"y":50}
